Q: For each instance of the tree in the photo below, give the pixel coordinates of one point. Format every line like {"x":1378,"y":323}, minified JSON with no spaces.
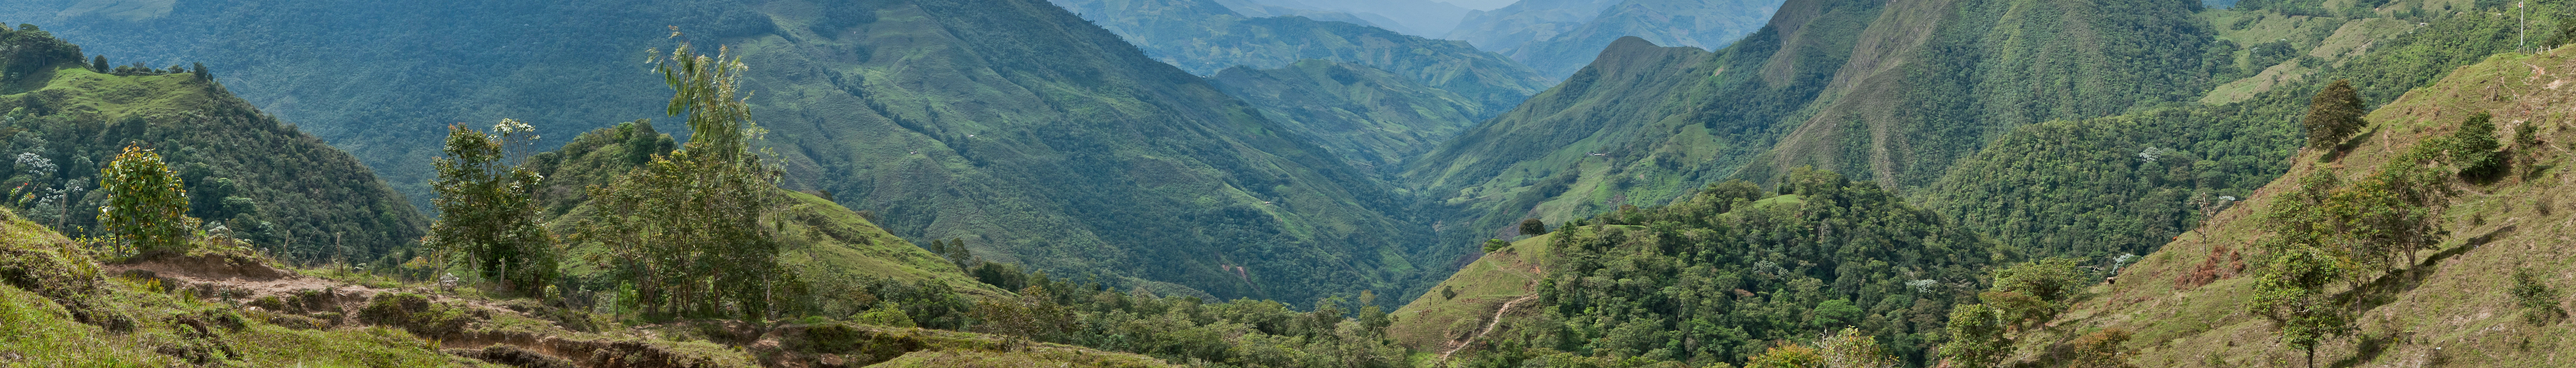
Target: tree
{"x":488,"y":211}
{"x":1533,"y":227}
{"x":2034,"y":292}
{"x":2290,"y":289}
{"x":2473,"y":146}
{"x":1788,"y":356}
{"x":692,"y":226}
{"x":146,"y":205}
{"x":1850,"y":349}
{"x":2333,"y":115}
{"x":1976,"y":337}
{"x":98,"y":63}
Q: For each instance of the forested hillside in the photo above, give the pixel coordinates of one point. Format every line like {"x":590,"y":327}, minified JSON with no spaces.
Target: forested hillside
{"x":1907,"y":96}
{"x":2074,"y":183}
{"x":1716,"y":278}
{"x":1032,"y":135}
{"x":1643,"y":125}
{"x":2125,"y":184}
{"x":257,"y":177}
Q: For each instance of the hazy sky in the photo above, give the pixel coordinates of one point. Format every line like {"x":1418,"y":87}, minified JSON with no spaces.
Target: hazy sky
{"x":1480,"y":4}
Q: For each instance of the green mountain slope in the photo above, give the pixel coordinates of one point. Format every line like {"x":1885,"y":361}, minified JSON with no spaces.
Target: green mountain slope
{"x":1643,"y":125}
{"x":1902,"y":93}
{"x":1203,"y":37}
{"x":288,"y":192}
{"x":1923,"y":91}
{"x":1035,"y":136}
{"x":2127,"y":184}
{"x":383,"y":81}
{"x":1166,"y":178}
{"x":1369,"y":116}
{"x":2185,"y":304}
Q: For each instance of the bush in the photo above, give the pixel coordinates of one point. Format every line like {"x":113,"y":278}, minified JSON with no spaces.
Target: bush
{"x":2034,"y":292}
{"x":418,"y":314}
{"x":2473,"y":147}
{"x":2538,"y":301}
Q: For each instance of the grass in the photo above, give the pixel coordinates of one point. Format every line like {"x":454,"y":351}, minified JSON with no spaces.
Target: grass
{"x":1433,"y":319}
{"x":831,"y":238}
{"x":37,"y":332}
{"x":2449,"y":309}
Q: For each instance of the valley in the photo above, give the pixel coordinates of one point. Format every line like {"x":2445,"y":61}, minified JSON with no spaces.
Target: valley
{"x":1284,"y":183}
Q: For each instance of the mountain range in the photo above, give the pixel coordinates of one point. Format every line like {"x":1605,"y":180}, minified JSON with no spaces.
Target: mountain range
{"x":1030,"y":134}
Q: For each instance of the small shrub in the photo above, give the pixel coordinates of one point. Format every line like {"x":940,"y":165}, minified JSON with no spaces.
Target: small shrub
{"x":1533,"y":227}
{"x":2101,"y":349}
{"x":514,"y":356}
{"x":272,"y":303}
{"x":2538,"y":301}
{"x":886,"y":314}
{"x":2473,"y":147}
{"x":416,"y":313}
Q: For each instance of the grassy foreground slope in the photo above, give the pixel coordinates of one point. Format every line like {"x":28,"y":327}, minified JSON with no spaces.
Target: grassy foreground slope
{"x":226,"y":308}
{"x":2445,"y":306}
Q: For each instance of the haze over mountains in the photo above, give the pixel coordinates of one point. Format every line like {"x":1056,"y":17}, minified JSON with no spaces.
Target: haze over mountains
{"x":1558,"y":37}
{"x":1427,"y":18}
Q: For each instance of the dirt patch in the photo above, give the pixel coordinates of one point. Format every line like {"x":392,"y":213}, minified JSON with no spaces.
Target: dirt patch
{"x":513,"y":356}
{"x":211,"y":266}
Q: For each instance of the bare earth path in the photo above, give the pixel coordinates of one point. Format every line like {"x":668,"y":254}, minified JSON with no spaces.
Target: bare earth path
{"x":1489,"y":327}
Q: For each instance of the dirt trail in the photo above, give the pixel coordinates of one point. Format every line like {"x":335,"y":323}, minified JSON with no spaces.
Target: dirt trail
{"x":1489,"y":328}
{"x":237,"y":278}
{"x":246,"y":286}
